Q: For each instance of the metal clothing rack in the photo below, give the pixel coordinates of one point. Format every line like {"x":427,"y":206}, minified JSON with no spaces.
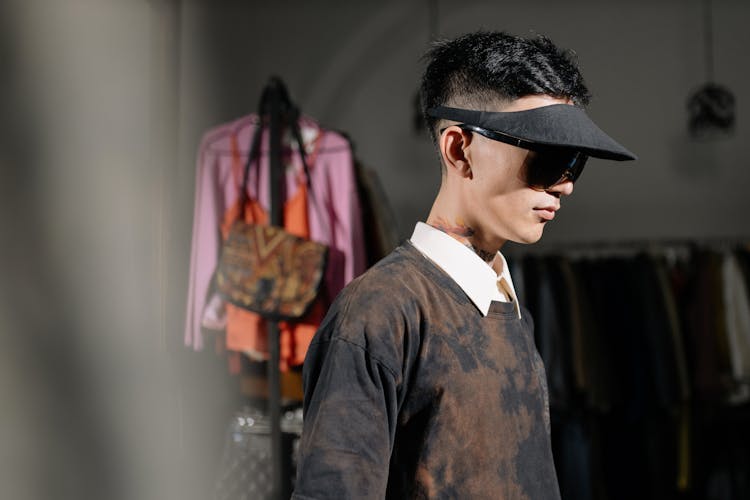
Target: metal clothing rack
{"x":626,"y":247}
{"x":278,"y":111}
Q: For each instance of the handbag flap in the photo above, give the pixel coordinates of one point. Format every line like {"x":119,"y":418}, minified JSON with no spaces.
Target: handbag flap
{"x":270,"y":271}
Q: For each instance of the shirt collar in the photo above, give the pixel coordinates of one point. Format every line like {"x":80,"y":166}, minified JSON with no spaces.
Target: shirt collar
{"x":477,"y":279}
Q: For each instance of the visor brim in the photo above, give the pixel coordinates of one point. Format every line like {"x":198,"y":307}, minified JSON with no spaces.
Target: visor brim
{"x":557,"y":125}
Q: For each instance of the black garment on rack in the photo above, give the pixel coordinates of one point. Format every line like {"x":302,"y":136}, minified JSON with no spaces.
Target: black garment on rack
{"x":649,"y":415}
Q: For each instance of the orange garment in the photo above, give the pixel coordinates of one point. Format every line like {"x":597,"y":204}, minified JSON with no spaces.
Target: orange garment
{"x":246,"y":331}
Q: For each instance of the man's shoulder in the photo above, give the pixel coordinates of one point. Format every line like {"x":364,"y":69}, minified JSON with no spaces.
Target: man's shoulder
{"x":391,"y":292}
{"x":387,"y":310}
{"x":402,"y":273}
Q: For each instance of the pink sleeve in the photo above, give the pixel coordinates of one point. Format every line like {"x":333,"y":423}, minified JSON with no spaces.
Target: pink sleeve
{"x":335,"y":191}
{"x":211,"y":185}
{"x":334,"y":213}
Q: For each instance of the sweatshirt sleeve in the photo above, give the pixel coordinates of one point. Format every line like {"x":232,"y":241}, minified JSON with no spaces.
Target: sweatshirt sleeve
{"x":350,"y":419}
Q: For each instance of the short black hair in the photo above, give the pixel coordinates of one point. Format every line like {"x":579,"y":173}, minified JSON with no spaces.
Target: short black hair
{"x":495,"y":67}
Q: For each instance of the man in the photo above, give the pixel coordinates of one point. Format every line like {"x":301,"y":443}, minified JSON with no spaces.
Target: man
{"x":423,"y":380}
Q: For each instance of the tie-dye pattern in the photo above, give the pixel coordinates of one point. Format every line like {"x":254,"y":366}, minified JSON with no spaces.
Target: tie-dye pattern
{"x":411,"y":393}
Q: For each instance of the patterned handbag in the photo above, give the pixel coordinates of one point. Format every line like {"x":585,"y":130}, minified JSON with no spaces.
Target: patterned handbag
{"x":270,"y":271}
{"x":265,"y":269}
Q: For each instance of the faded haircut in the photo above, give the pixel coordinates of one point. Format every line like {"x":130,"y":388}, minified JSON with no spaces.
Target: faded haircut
{"x":493,"y":68}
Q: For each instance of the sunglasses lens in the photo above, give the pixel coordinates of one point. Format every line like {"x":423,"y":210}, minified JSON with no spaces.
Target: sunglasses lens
{"x":547,"y":168}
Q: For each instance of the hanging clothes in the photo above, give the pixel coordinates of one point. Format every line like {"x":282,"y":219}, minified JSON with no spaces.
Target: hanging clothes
{"x":246,"y":331}
{"x":333,"y":216}
{"x":705,"y":325}
{"x":377,"y":215}
{"x":656,"y":349}
{"x":737,"y":311}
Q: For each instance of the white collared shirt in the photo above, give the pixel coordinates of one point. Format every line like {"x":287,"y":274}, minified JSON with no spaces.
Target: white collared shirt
{"x":475,"y":277}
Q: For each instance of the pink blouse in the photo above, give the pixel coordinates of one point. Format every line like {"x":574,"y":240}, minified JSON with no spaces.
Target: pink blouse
{"x":333,"y":208}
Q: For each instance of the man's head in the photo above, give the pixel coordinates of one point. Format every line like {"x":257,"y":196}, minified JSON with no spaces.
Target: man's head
{"x":485,"y":70}
{"x":504,"y":114}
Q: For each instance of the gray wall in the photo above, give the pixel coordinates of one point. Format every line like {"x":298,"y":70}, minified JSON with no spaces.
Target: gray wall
{"x":104,"y":104}
{"x":355,"y":66}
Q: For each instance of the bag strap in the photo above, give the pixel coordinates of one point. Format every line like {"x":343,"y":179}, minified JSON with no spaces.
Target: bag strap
{"x":297,"y":135}
{"x":251,"y":156}
{"x":294,"y":125}
{"x":254,"y":154}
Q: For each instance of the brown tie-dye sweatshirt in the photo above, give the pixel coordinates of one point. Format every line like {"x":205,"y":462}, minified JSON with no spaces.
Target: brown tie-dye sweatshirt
{"x":411,"y":393}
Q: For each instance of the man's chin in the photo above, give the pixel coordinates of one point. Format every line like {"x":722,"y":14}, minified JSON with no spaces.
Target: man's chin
{"x":527,"y":239}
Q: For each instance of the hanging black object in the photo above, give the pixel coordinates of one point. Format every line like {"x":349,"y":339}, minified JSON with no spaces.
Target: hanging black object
{"x":279,"y":105}
{"x":712,"y":112}
{"x":711,"y":108}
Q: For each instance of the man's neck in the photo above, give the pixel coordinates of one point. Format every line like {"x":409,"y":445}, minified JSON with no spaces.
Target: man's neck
{"x":463,"y":233}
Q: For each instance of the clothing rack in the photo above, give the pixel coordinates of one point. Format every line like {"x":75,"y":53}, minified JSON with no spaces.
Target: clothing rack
{"x":252,"y":121}
{"x":646,"y":354}
{"x":326,"y":205}
{"x":278,"y":98}
{"x":277,"y":110}
{"x":627,"y":247}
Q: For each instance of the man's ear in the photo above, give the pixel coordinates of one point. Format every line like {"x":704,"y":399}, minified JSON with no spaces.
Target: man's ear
{"x":453,"y":144}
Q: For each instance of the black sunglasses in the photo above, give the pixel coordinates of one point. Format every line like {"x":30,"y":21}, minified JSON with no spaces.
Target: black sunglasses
{"x":550,"y":165}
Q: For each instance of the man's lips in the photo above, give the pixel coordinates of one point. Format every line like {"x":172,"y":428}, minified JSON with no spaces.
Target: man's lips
{"x":546,"y":213}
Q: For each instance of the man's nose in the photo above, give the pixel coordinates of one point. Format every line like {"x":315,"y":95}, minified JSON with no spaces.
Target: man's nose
{"x":564,"y":187}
